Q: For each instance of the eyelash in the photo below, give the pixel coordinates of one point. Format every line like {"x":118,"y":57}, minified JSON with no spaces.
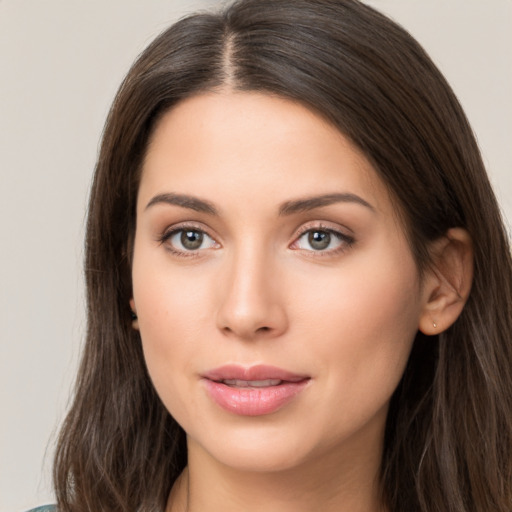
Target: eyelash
{"x":168,"y":234}
{"x":346,"y":241}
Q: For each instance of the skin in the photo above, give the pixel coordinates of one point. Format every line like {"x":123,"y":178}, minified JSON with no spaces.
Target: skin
{"x":257,"y":292}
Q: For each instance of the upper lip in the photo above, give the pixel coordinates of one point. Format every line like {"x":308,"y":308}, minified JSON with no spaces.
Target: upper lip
{"x":252,"y":373}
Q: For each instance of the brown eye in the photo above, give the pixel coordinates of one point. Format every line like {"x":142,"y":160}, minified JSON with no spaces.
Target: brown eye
{"x":319,"y":240}
{"x":191,"y":240}
{"x":188,"y":240}
{"x":322,"y":240}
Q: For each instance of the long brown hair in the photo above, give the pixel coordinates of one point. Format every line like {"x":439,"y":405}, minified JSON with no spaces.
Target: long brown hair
{"x":448,"y":444}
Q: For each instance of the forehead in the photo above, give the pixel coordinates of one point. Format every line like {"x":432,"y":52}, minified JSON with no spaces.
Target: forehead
{"x":252,"y":145}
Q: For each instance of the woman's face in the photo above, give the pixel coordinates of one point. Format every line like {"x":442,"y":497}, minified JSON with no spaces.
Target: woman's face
{"x":276,"y":294}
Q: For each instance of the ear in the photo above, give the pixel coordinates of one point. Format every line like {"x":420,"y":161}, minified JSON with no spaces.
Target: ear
{"x":135,"y":320}
{"x":447,"y":282}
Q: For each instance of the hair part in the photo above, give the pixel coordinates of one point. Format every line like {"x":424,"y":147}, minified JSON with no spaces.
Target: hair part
{"x":449,"y":431}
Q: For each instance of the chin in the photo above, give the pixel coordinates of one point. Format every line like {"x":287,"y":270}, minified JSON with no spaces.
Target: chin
{"x":254,"y":450}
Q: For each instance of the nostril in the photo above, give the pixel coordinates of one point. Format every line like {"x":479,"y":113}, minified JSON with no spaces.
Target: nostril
{"x":246,"y":319}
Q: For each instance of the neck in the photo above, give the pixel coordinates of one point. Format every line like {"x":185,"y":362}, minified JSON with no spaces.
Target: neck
{"x":332,"y":483}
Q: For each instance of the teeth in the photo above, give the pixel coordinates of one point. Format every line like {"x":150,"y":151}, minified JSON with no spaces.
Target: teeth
{"x":252,"y":383}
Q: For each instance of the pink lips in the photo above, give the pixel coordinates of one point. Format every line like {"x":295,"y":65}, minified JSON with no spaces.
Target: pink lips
{"x":253,"y":391}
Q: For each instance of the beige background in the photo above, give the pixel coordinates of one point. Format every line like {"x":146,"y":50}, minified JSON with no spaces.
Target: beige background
{"x":60,"y":64}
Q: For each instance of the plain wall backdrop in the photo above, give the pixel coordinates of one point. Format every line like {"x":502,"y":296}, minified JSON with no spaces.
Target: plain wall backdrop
{"x":61,"y":62}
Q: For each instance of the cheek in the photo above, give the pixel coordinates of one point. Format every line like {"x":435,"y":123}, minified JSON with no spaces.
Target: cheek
{"x":170,"y":301}
{"x":377,"y":290}
{"x":384,"y":306}
{"x":364,"y":323}
{"x":172,"y":313}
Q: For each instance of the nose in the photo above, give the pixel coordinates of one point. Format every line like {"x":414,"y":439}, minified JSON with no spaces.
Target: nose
{"x":251,"y":302}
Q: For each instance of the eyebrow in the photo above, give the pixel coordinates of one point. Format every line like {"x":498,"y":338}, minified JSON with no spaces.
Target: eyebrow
{"x":287,"y":208}
{"x":185,"y":201}
{"x":310,"y":203}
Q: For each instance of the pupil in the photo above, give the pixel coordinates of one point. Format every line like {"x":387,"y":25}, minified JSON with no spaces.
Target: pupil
{"x":191,"y":239}
{"x":319,"y":240}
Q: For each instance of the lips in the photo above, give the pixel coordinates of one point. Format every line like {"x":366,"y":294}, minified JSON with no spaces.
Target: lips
{"x":253,"y":391}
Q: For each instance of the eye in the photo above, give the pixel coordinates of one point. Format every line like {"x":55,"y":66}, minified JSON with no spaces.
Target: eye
{"x":323,"y":240}
{"x":188,"y":240}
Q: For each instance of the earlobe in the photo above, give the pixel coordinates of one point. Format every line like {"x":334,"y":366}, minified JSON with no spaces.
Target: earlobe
{"x":135,"y":320}
{"x":447,"y":282}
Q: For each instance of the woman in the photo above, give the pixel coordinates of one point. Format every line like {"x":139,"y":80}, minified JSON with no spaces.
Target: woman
{"x":299,"y":284}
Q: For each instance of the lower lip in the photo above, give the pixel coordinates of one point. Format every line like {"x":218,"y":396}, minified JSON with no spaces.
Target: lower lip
{"x":253,"y":401}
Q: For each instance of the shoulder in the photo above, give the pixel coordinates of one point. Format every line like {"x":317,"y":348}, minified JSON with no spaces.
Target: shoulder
{"x":44,"y":508}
